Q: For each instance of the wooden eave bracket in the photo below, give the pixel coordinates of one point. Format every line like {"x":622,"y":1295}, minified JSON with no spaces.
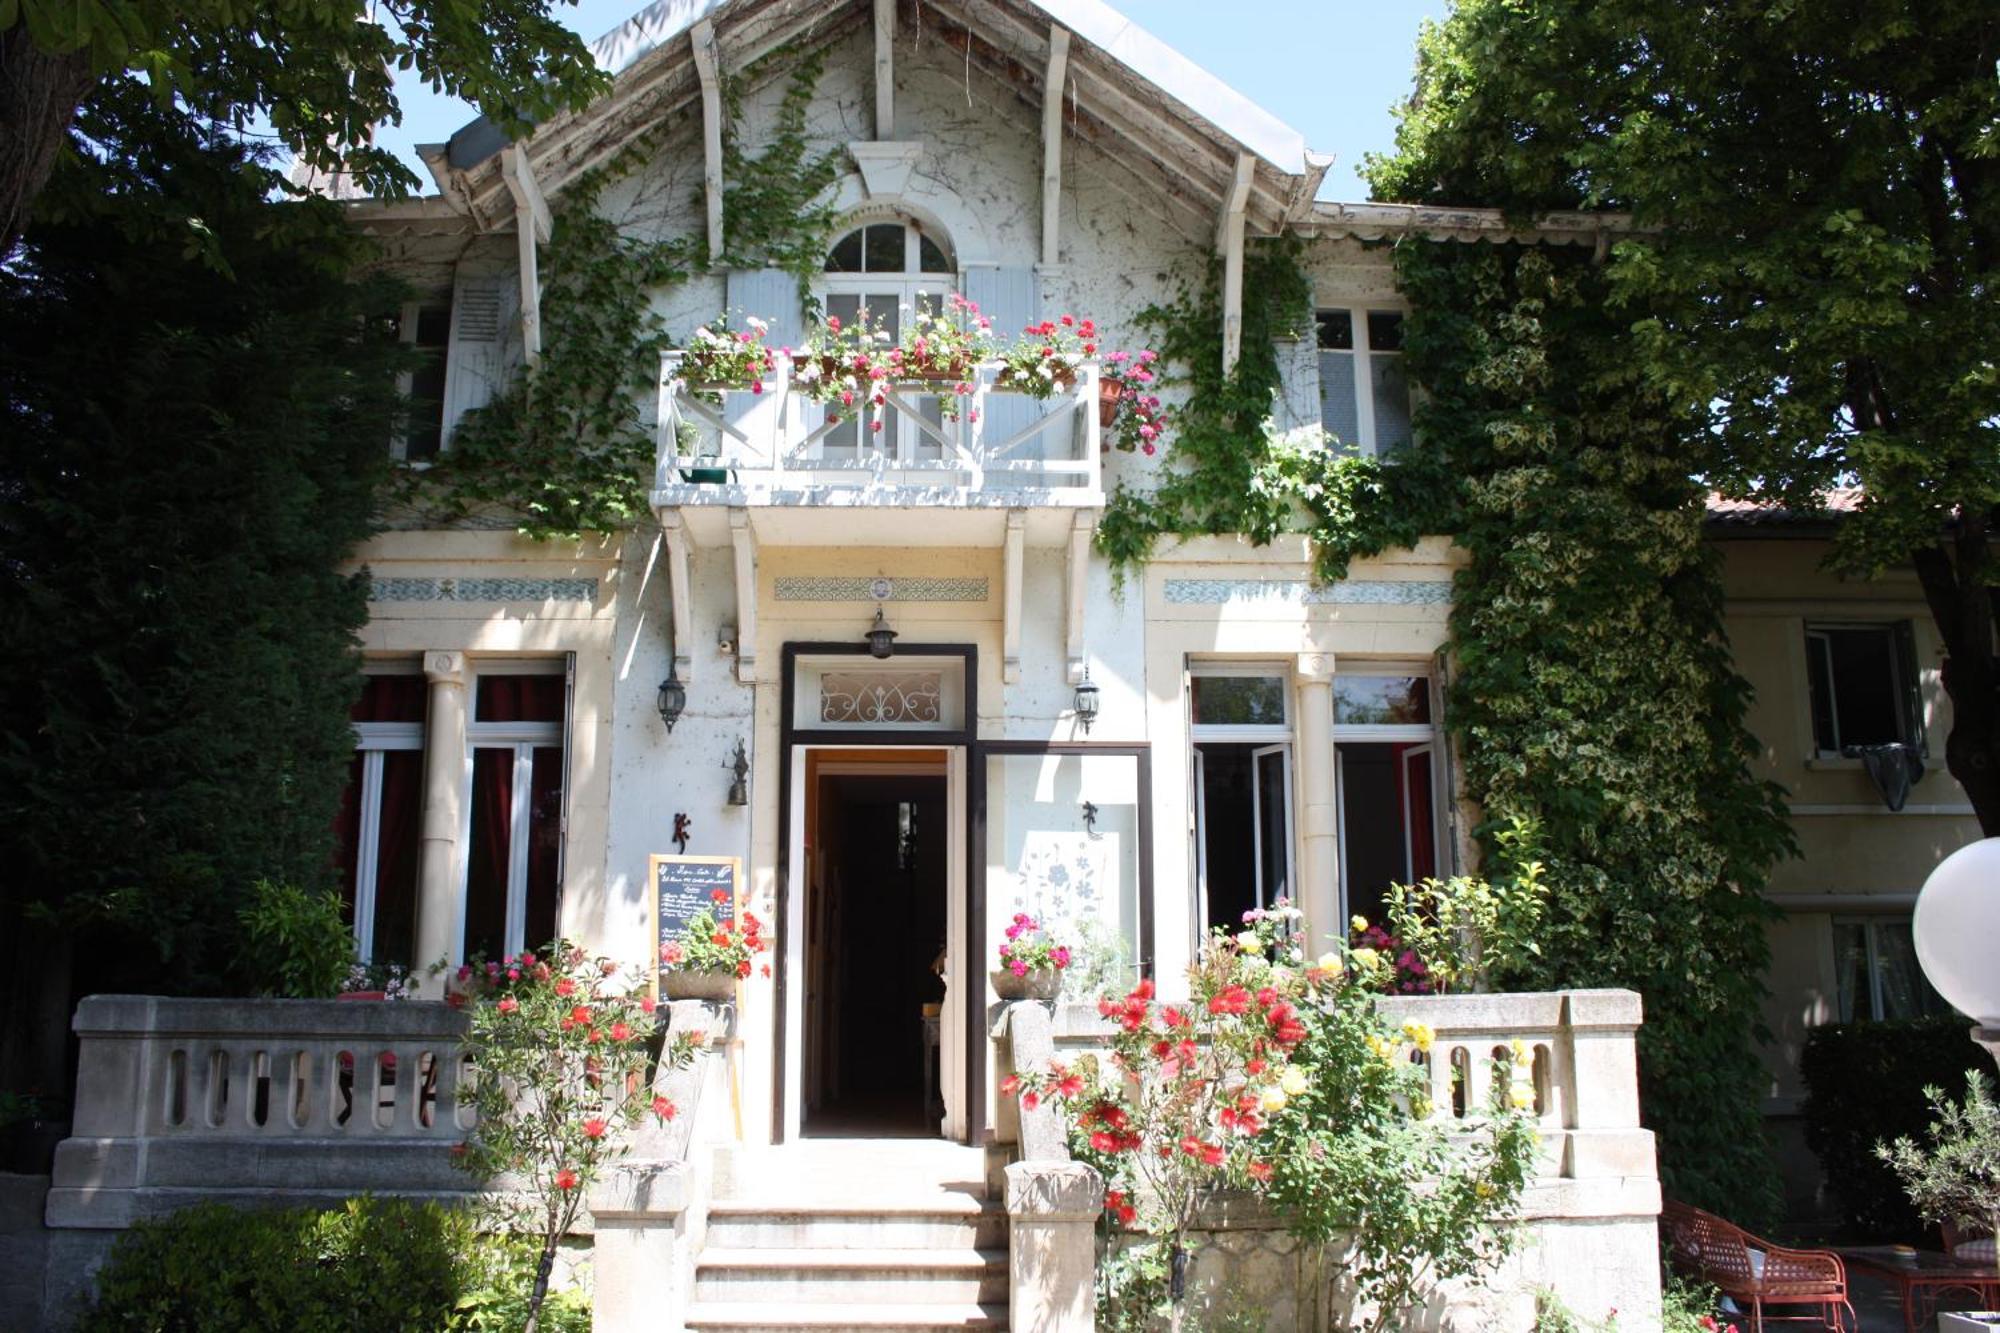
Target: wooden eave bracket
{"x":1053,"y":80}
{"x":1299,"y":206}
{"x":533,"y":226}
{"x":707,"y":62}
{"x":1013,"y":555}
{"x":1229,"y":244}
{"x":1075,"y":573}
{"x":680,"y":590}
{"x":743,"y":542}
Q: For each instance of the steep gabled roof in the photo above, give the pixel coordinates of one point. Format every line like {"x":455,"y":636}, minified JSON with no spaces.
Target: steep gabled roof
{"x":1126,"y":90}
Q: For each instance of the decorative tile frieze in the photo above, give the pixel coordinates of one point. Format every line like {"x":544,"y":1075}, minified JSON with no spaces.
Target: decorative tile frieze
{"x":1298,"y":592}
{"x":483,"y":590}
{"x":809,"y":588}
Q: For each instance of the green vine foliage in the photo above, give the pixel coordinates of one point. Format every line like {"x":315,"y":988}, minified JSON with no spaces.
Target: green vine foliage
{"x":1594,"y":695}
{"x":565,"y":449}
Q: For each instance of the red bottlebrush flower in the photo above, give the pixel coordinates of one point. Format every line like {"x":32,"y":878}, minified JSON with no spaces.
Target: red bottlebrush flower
{"x":580,"y":1014}
{"x":1174,"y":1017}
{"x":565,"y":988}
{"x":1030,"y":1100}
{"x":508,"y":1004}
{"x":1104,"y":1141}
{"x":1106,"y":1008}
{"x":1142,"y":991}
{"x":1190,"y":1145}
{"x":1232,"y":1000}
{"x":621,"y":1032}
{"x":764,"y":970}
{"x":1260,"y":1171}
{"x":566,"y":1179}
{"x":595,"y":1127}
{"x":1069,"y":1085}
{"x":647,"y":1004}
{"x":1010,"y":1085}
{"x":1112,"y":1198}
{"x":664,"y":1108}
{"x":593,"y":1036}
{"x":1266,"y":997}
{"x":1127,"y":1214}
{"x":1255,"y":1066}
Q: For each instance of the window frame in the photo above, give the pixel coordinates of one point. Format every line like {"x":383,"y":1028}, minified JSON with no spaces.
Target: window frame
{"x":372,"y":740}
{"x":1263,"y":738}
{"x":1905,"y":683}
{"x":1361,"y":366}
{"x":522,"y":739}
{"x":1414,"y":734}
{"x":1871,"y":924}
{"x":906,"y":442}
{"x":408,"y":322}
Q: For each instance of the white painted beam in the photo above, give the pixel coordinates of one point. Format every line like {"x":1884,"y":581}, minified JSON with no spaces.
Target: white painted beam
{"x":1010,"y":597}
{"x":532,"y":225}
{"x":1229,"y":243}
{"x":1052,"y":97}
{"x":706,"y":64}
{"x":1307,"y":187}
{"x":885,"y":69}
{"x":745,"y":543}
{"x":1078,"y":567}
{"x":680,"y":589}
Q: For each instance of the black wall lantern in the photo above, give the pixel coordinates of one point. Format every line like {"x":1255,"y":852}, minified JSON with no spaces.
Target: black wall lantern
{"x":881,"y":639}
{"x":1086,"y":701}
{"x":673,"y":697}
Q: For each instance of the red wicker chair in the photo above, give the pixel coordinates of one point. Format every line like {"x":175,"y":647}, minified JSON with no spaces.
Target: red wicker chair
{"x":1755,"y":1273}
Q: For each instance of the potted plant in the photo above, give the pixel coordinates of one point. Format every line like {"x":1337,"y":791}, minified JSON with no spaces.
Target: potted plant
{"x":1127,"y":408}
{"x":1031,"y":962}
{"x":719,"y":359}
{"x":1954,"y":1179}
{"x":378,"y":981}
{"x":709,"y":956}
{"x":1046,"y":357}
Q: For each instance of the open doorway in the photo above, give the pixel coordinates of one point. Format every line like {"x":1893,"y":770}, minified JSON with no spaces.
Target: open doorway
{"x":877,"y":845}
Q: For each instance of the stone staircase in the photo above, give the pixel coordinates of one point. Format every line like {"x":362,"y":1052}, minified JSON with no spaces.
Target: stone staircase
{"x":828,"y":1234}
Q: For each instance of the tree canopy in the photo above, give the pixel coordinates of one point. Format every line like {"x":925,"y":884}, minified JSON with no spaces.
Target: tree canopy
{"x":319,"y":72}
{"x":1816,"y":192}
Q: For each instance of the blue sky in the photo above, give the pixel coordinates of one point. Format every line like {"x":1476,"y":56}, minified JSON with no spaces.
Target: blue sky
{"x":1329,"y":68}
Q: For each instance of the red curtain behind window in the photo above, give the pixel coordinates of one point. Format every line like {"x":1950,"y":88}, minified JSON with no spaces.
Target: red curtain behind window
{"x":397,"y":850}
{"x":486,"y":867}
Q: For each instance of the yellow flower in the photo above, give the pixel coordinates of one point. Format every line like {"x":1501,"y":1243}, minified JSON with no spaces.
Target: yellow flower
{"x":1294,"y":1081}
{"x":1331,"y":962}
{"x":1273,"y":1099}
{"x":1520,"y":1049}
{"x":1420,"y":1034}
{"x":1250,"y":942}
{"x":1367,"y":959}
{"x":1484,"y":1189}
{"x":1521,"y":1096}
{"x":1384,"y":1049}
{"x":1358,"y":923}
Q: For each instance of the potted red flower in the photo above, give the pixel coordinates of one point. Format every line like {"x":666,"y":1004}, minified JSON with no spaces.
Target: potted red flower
{"x":1031,"y":962}
{"x":710,"y":955}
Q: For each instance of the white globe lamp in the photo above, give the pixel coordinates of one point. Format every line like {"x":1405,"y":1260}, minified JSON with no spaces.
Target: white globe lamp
{"x":1957,"y":929}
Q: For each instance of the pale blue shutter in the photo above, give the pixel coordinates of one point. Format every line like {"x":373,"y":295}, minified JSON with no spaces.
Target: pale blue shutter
{"x":772,"y":295}
{"x":477,"y":365}
{"x":1011,"y":298}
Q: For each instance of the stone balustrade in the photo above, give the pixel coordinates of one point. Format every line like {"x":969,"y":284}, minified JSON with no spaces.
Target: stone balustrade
{"x":182,"y":1100}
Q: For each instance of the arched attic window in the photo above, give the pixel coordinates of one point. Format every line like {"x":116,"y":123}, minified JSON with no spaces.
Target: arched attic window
{"x":887,"y":268}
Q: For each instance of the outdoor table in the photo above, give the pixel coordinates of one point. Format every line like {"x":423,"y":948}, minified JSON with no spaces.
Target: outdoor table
{"x":1922,"y":1276}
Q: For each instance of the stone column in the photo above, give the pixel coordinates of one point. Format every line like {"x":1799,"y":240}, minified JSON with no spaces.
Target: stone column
{"x":1052,"y":1210}
{"x":1318,"y":891}
{"x":641,"y":1257}
{"x":444,"y":812}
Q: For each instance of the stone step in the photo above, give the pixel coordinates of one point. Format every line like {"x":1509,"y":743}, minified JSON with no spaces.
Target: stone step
{"x":943,"y":1221}
{"x":763,"y":1317}
{"x":849,"y":1169}
{"x":834,"y":1277}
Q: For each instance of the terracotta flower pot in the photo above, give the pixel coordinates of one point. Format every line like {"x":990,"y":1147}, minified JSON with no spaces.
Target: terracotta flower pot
{"x":1041,"y":983}
{"x":676,"y":984}
{"x":1109,"y":391}
{"x":362,"y":995}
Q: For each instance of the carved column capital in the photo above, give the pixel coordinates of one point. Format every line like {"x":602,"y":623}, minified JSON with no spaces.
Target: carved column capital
{"x":444,"y":668}
{"x":1314,"y":668}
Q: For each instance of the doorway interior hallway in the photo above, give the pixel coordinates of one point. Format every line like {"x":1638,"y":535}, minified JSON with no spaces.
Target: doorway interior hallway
{"x":877,"y":880}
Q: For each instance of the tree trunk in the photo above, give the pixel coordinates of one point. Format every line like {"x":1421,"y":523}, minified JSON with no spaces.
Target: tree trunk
{"x":1955,"y":581}
{"x":540,"y":1291}
{"x":39,"y":95}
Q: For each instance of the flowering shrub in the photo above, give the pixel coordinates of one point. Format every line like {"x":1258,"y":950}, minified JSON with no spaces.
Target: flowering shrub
{"x":1280,"y":1075}
{"x":708,"y":945}
{"x":1030,"y":948}
{"x":1139,"y":419}
{"x":1383,"y":962}
{"x":721,"y":357}
{"x":1046,"y":357}
{"x":1469,"y":930}
{"x":395,"y":981}
{"x":563,"y":1053}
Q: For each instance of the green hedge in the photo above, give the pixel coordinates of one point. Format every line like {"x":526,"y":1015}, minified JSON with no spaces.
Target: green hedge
{"x":373,"y":1266}
{"x":1864,"y":1083}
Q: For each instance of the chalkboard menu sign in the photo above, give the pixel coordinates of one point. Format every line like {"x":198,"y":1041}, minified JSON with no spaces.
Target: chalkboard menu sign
{"x":682,"y":886}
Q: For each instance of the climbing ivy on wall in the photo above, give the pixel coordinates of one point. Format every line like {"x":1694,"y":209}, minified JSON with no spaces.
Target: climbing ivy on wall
{"x":1593,"y":691}
{"x":566,"y":449}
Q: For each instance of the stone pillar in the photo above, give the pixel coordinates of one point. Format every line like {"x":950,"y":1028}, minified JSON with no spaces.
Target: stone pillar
{"x":641,"y":1258}
{"x":444,"y":812}
{"x":1319,"y":889}
{"x":1052,"y":1210}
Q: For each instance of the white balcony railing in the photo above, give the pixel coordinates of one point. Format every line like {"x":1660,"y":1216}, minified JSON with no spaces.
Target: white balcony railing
{"x":780,"y":444}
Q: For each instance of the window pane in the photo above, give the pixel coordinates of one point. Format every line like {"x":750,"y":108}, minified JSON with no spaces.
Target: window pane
{"x":1422,"y":820}
{"x":1336,"y":331}
{"x":1239,"y":701}
{"x":1391,"y":391}
{"x":884,"y":248}
{"x":1850,"y":971}
{"x":397,"y":847}
{"x":490,"y":854}
{"x":1273,"y":827}
{"x":1819,"y":684}
{"x":347,"y":833}
{"x":1075,"y":869}
{"x":1385,"y":330}
{"x":1905,"y":991}
{"x":544,"y":847}
{"x":1866,"y":708}
{"x":519,"y":699}
{"x":1339,"y":413}
{"x":840,"y":442}
{"x":1381,"y":700}
{"x":846,"y":254}
{"x":931,"y":256}
{"x":398,"y":698}
{"x":426,"y":406}
{"x":1374,"y":833}
{"x":1228,"y":813}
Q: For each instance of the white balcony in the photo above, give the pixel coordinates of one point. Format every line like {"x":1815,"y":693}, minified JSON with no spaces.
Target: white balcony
{"x":1001,"y":450}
